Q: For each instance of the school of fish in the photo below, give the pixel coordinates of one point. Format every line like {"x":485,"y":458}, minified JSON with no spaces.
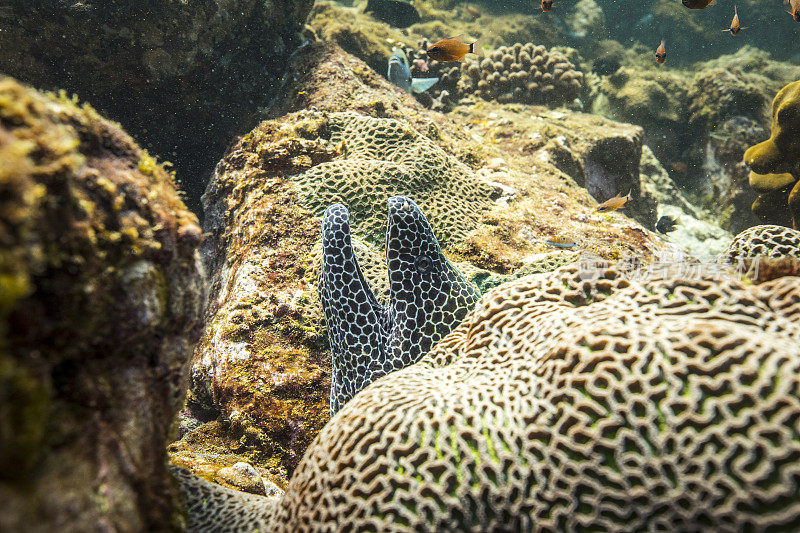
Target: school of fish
{"x":736,"y":26}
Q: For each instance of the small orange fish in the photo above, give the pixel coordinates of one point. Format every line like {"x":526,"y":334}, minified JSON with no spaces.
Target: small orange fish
{"x":547,"y":5}
{"x":679,"y":167}
{"x":472,"y":12}
{"x":615,"y":203}
{"x":661,"y":53}
{"x":794,"y":9}
{"x":698,"y":4}
{"x":453,"y":49}
{"x":735,"y":26}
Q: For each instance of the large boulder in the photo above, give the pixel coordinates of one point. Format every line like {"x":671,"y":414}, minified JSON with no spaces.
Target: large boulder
{"x":182,"y":77}
{"x":100,"y":297}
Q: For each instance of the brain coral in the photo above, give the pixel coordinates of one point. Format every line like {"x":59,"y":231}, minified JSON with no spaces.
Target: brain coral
{"x":776,"y":157}
{"x":211,"y":507}
{"x":524,"y":73}
{"x":383,"y":158}
{"x":770,"y":241}
{"x":577,"y":400}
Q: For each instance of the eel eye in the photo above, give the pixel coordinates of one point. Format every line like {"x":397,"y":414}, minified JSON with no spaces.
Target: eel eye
{"x":423,"y":263}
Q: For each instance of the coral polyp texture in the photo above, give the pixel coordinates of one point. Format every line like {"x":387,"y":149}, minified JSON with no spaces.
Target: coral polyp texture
{"x":428,"y":297}
{"x":766,"y":241}
{"x":522,"y":73}
{"x":580,"y":399}
{"x":386,"y":157}
{"x":778,"y":158}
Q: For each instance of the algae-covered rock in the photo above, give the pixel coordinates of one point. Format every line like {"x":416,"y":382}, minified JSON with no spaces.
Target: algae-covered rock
{"x":778,"y":156}
{"x":645,"y":96}
{"x":600,"y":155}
{"x":719,"y":93}
{"x":100,"y":299}
{"x":655,"y":99}
{"x":182,"y":77}
{"x":700,"y":121}
{"x":362,"y":35}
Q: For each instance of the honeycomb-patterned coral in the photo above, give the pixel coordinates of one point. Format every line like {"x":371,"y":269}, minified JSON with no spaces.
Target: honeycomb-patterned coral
{"x":574,"y":401}
{"x":767,"y":240}
{"x":522,"y":73}
{"x":386,"y":157}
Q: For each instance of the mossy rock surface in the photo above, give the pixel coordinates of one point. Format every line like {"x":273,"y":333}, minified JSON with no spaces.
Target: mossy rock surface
{"x":100,"y":299}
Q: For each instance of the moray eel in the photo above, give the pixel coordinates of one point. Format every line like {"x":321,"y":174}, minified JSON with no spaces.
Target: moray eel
{"x":428,"y":297}
{"x":211,"y":507}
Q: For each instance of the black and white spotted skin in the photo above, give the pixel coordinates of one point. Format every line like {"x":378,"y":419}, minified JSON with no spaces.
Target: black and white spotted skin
{"x":211,"y":507}
{"x":358,"y":326}
{"x":428,"y":297}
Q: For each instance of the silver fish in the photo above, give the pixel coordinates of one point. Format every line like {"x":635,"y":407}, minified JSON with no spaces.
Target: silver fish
{"x":400,"y":74}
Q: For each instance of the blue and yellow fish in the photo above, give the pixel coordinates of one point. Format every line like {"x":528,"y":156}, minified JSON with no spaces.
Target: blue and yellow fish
{"x":561,"y":242}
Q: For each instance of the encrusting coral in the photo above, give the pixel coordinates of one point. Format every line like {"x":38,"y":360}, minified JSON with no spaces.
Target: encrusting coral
{"x":386,"y":157}
{"x":776,"y":157}
{"x":521,"y":73}
{"x":428,"y":297}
